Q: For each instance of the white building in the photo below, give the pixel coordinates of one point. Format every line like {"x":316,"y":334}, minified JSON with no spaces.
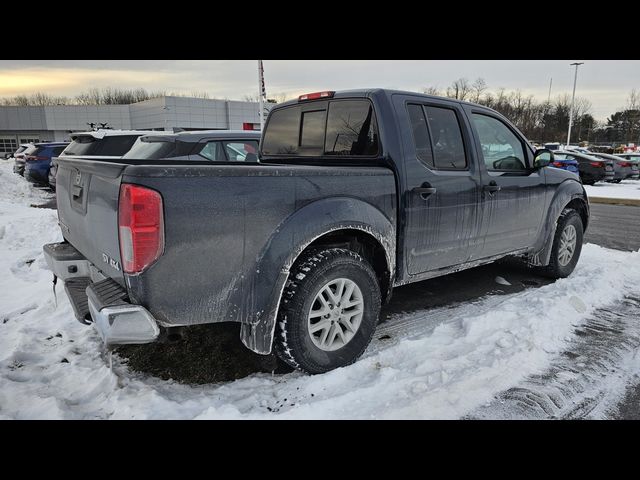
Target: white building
{"x":55,"y":123}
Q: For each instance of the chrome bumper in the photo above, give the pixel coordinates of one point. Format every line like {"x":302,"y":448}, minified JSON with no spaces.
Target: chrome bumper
{"x":117,"y":321}
{"x":124,"y":324}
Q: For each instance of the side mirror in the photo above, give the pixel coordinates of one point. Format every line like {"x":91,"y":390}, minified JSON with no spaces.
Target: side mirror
{"x":542,"y":158}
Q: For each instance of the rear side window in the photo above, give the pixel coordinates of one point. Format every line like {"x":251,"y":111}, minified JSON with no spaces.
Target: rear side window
{"x":143,"y":150}
{"x":237,"y":151}
{"x":211,"y":151}
{"x":420,"y":134}
{"x":446,"y":136}
{"x":437,"y":137}
{"x":347,"y":128}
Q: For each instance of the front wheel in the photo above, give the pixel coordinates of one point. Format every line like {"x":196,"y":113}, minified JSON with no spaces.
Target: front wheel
{"x":329,"y":311}
{"x":567,"y":245}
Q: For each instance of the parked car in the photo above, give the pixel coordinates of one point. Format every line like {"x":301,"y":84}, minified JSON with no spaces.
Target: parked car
{"x":18,"y":164}
{"x":567,"y":164}
{"x":356,"y":192}
{"x":19,"y":151}
{"x":100,"y":143}
{"x":214,"y":145}
{"x":38,"y":161}
{"x":623,"y":168}
{"x":634,"y":158}
{"x":591,"y":169}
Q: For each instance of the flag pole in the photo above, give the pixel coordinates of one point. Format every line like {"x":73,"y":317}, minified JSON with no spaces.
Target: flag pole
{"x":261,"y":92}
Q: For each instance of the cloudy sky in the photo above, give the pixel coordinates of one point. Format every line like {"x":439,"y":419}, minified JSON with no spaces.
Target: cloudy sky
{"x":606,"y":83}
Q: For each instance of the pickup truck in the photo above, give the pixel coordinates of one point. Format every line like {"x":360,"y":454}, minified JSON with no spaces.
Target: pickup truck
{"x":351,"y":194}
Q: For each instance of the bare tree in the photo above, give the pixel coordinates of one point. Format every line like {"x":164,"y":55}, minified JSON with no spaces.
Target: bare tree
{"x":460,"y":89}
{"x":477,"y":89}
{"x":432,"y":91}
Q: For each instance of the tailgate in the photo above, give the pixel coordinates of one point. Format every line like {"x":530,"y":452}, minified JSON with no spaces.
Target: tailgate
{"x":87,"y":197}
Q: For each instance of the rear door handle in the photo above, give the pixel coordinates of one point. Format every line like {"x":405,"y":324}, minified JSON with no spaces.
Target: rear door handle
{"x":492,"y":187}
{"x":425,"y":190}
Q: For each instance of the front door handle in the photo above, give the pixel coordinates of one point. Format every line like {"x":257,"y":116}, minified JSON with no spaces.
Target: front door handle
{"x":425,"y":190}
{"x":492,"y":187}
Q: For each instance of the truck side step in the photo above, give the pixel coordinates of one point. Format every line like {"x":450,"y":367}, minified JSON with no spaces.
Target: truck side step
{"x":76,"y":291}
{"x":107,"y":293}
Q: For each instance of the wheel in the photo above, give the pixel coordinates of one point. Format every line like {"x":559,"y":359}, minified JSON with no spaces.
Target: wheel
{"x":329,"y":311}
{"x":617,"y":180}
{"x":567,"y":245}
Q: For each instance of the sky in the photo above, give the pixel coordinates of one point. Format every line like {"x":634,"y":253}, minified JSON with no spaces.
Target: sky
{"x":605,"y":83}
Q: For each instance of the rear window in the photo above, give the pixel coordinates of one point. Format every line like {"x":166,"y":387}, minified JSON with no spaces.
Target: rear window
{"x":110,"y":146}
{"x":348,"y":128}
{"x":151,"y":150}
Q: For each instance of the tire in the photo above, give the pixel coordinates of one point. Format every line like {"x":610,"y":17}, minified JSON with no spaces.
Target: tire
{"x":294,"y":342}
{"x":557,"y":267}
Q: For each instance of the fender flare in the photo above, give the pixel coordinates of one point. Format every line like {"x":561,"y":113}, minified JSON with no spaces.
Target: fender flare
{"x":287,"y":243}
{"x":567,"y":192}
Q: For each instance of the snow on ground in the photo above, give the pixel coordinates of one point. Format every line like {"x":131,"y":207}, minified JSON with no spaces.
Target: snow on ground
{"x":624,"y":189}
{"x":448,"y":363}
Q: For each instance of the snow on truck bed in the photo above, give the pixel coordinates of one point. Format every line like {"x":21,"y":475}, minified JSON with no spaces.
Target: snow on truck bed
{"x":454,"y":361}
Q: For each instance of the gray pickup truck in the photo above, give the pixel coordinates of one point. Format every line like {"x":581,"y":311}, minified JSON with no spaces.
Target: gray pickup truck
{"x":351,"y":194}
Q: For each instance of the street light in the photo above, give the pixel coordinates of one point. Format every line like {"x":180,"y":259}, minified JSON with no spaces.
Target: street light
{"x":573,"y":97}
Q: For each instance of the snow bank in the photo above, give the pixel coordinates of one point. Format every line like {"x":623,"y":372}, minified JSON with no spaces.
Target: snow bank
{"x":448,"y":363}
{"x":624,"y":189}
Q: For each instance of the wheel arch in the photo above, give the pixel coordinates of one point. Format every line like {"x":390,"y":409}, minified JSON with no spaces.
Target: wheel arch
{"x":333,"y":222}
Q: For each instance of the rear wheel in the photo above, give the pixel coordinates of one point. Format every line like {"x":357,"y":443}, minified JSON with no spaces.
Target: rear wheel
{"x":567,"y":245}
{"x":329,"y":311}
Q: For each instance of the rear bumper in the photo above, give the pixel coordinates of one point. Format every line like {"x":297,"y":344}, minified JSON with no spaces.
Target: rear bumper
{"x":100,"y":300}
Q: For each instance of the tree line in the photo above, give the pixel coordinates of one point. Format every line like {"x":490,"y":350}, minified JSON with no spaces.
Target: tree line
{"x":95,"y":96}
{"x":548,"y":121}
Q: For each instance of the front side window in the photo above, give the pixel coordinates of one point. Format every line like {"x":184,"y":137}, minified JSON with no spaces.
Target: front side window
{"x":501,"y":149}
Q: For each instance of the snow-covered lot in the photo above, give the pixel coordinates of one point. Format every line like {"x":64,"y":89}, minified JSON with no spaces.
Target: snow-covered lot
{"x":624,"y":189}
{"x":442,"y":363}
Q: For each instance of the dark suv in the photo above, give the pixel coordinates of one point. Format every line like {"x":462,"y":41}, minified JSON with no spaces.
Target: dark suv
{"x":213,"y":145}
{"x":100,"y":143}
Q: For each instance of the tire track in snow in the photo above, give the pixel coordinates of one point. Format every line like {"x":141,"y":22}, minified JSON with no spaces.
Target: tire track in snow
{"x":587,"y":379}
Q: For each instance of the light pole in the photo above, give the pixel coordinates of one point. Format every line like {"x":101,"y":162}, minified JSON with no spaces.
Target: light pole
{"x":573,"y":97}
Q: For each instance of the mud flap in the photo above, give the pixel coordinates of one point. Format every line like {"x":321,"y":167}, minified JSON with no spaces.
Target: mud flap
{"x":55,"y":297}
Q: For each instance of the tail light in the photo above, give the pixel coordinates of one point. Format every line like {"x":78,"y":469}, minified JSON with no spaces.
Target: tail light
{"x":31,"y":158}
{"x":558,"y":164}
{"x":315,"y":96}
{"x":625,"y":164}
{"x":141,"y":227}
{"x":597,"y":164}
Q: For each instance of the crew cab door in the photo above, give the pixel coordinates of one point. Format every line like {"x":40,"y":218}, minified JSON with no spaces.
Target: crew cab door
{"x":442,"y":194}
{"x":513,"y":194}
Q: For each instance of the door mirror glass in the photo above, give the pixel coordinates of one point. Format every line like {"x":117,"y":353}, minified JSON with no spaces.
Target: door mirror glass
{"x":542,"y":158}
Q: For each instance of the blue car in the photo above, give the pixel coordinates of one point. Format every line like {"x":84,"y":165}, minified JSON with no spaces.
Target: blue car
{"x":38,"y":161}
{"x":565,"y":163}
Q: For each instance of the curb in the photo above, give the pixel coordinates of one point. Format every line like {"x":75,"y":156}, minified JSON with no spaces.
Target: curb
{"x":632,"y":202}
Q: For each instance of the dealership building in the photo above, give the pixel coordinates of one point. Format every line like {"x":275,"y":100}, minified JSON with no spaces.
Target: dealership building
{"x":55,"y":123}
